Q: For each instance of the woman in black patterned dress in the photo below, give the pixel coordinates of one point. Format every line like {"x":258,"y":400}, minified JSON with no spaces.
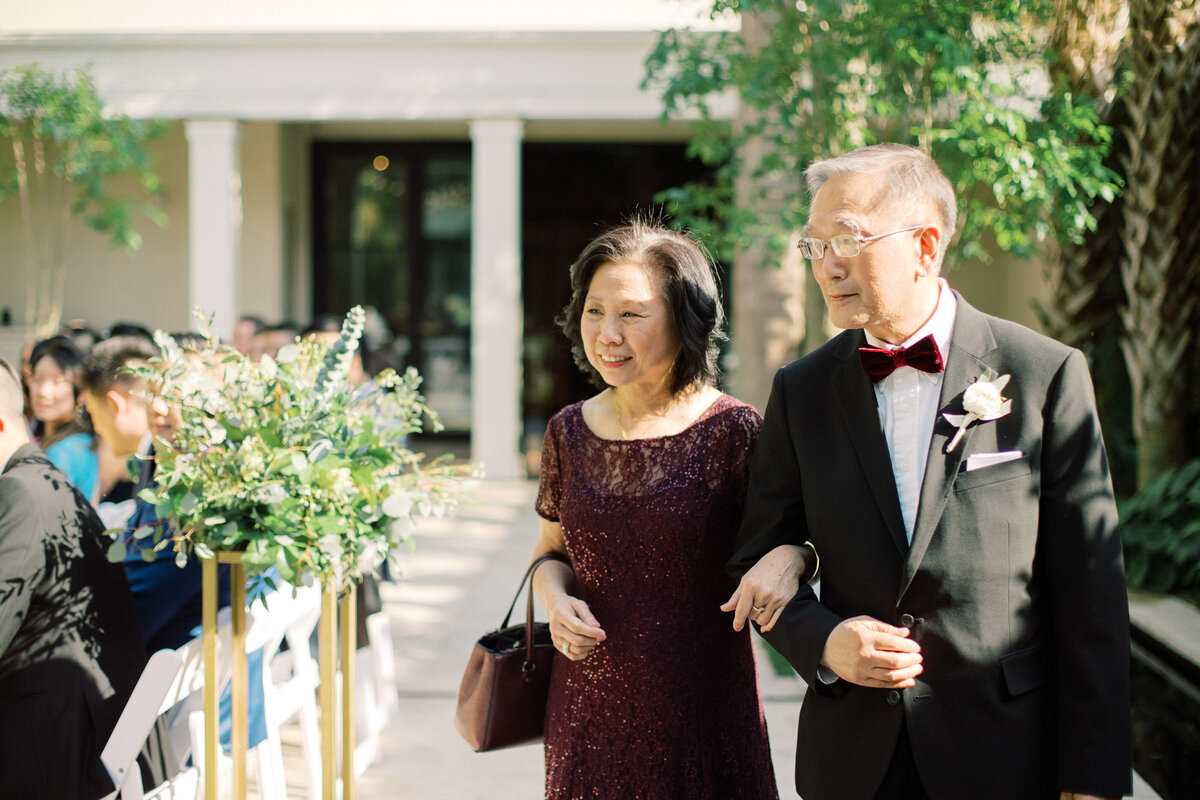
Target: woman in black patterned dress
{"x":654,"y":695}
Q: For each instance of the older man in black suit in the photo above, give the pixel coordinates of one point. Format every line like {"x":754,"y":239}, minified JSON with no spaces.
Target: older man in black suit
{"x":971,"y":639}
{"x":70,"y":652}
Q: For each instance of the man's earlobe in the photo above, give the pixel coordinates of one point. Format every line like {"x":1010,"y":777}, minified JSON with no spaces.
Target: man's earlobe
{"x":930,"y":243}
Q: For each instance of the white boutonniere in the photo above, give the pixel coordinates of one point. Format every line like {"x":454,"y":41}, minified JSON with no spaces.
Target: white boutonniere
{"x":982,"y":401}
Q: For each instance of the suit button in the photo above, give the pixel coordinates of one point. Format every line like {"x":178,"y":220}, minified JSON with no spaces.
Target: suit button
{"x":893,"y":697}
{"x":907,"y":621}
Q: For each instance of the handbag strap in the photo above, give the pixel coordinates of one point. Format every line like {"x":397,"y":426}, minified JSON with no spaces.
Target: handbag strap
{"x":528,"y":666}
{"x":537,"y":562}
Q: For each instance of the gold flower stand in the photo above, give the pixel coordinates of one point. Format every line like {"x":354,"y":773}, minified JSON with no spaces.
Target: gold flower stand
{"x":332,"y":608}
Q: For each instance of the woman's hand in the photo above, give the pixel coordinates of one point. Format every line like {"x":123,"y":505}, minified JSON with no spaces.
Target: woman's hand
{"x":768,"y":587}
{"x":573,"y":628}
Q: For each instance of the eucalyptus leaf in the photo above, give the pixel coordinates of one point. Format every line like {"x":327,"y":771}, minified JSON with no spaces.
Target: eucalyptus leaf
{"x":398,"y":505}
{"x":319,"y":449}
{"x":116,"y":552}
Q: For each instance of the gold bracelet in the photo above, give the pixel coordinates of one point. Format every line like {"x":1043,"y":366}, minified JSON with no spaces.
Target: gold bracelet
{"x":816,"y":576}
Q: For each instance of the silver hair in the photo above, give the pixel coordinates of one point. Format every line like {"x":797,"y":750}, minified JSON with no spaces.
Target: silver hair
{"x":911,"y":178}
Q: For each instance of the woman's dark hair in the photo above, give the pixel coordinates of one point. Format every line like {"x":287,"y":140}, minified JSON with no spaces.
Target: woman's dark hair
{"x":689,"y":287}
{"x":69,"y":358}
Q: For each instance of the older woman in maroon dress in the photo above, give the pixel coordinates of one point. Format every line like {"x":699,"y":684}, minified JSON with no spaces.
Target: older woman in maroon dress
{"x":655,"y":694}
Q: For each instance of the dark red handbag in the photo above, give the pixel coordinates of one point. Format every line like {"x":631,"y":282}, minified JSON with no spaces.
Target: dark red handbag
{"x":502,"y":697}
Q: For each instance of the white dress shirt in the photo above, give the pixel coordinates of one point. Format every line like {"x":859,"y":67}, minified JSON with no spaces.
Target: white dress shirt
{"x":908,"y":406}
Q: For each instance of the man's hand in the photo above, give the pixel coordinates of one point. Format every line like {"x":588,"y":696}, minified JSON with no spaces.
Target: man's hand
{"x":867,"y":652}
{"x":768,"y":587}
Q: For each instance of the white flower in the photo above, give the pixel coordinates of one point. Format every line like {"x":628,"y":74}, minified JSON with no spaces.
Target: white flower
{"x":343,"y":486}
{"x":270,"y":494}
{"x":331,"y":546}
{"x":371,"y":556}
{"x":982,"y":401}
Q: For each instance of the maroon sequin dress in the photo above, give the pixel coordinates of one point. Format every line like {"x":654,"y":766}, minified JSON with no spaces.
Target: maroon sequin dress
{"x":668,"y":707}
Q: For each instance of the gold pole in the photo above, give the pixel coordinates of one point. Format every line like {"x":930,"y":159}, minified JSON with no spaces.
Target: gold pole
{"x":328,"y":663}
{"x":209,"y":618}
{"x":349,"y":631}
{"x":238,"y":739}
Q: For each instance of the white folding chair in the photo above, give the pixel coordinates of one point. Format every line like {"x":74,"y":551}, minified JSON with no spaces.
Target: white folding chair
{"x":171,"y":681}
{"x":136,"y":721}
{"x":290,"y":681}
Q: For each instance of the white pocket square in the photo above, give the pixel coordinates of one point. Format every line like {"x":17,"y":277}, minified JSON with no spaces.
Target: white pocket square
{"x":980,"y":460}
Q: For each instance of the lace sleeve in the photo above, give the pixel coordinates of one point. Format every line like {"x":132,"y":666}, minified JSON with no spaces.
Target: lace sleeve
{"x":550,"y":476}
{"x":742,"y":435}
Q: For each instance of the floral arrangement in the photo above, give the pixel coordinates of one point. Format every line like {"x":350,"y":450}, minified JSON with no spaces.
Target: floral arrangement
{"x":286,"y":462}
{"x":982,"y":401}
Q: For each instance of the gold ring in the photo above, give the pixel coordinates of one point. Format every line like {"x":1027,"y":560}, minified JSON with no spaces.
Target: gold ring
{"x":758,"y":610}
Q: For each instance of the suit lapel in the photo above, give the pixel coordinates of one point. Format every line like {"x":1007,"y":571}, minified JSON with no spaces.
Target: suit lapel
{"x":970,"y":343}
{"x":856,"y":399}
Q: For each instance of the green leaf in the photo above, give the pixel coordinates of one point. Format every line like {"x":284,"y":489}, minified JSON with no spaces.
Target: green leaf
{"x":319,"y":449}
{"x":116,"y":552}
{"x":144,"y":531}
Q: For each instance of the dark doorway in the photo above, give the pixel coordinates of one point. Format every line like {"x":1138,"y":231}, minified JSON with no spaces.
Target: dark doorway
{"x":571,"y":193}
{"x":392,"y":230}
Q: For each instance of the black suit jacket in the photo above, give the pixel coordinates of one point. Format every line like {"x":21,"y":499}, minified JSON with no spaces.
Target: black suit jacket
{"x":70,"y":652}
{"x":1014,"y":579}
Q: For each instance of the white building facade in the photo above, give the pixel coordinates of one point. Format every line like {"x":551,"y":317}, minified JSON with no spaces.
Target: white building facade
{"x":257,"y":92}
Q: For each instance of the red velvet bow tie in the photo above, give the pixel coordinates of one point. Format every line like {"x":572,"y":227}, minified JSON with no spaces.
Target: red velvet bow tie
{"x":879,"y":363}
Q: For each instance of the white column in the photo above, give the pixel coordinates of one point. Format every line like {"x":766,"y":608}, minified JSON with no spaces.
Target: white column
{"x":496,"y":313}
{"x":214,"y":219}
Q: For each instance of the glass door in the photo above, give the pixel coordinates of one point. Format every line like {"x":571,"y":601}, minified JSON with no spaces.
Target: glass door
{"x":392,"y":230}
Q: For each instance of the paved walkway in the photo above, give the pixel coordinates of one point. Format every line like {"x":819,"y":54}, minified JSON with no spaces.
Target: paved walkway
{"x":456,"y":584}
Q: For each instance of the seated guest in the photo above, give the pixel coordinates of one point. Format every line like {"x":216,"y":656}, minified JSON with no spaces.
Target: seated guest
{"x":167,"y":597}
{"x":69,"y":656}
{"x":270,"y":339}
{"x":55,"y":394}
{"x":116,"y":403}
{"x":130,"y":329}
{"x":245,"y":332}
{"x":170,"y":599}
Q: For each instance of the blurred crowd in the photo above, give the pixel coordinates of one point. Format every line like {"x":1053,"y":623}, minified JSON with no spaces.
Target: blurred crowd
{"x":72,"y":409}
{"x":81,"y":410}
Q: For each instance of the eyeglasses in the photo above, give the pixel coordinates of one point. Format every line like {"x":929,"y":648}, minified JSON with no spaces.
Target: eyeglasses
{"x":845,"y":245}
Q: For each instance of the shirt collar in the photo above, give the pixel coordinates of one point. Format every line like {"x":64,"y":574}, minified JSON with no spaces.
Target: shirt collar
{"x":940,"y":324}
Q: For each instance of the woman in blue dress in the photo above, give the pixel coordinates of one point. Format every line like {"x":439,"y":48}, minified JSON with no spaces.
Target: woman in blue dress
{"x":55,"y":394}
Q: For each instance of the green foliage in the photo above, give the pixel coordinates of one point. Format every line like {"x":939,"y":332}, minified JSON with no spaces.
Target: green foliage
{"x":1160,"y":528}
{"x":58,"y":123}
{"x":963,"y":80}
{"x":284,"y":461}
